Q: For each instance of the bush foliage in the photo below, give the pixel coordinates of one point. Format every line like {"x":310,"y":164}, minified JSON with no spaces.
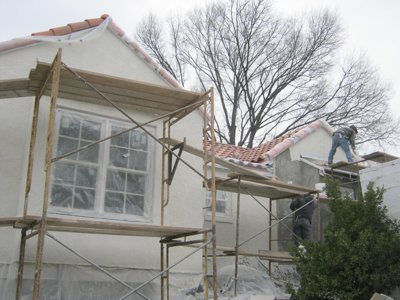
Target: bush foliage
{"x":359,"y":254}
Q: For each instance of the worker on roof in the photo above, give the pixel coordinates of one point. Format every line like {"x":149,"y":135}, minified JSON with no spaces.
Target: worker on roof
{"x":304,"y":209}
{"x":343,"y":137}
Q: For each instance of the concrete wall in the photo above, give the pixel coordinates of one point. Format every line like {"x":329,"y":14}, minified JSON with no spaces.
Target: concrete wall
{"x":108,"y":55}
{"x":296,"y":172}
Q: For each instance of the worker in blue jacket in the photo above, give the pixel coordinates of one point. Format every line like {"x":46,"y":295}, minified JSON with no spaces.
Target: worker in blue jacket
{"x":304,"y":207}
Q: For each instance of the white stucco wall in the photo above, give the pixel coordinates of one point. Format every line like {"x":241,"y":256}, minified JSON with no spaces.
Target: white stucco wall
{"x":100,"y":55}
{"x":385,"y":175}
{"x":253,"y":219}
{"x":317,"y":145}
{"x":110,"y":56}
{"x":15,"y":136}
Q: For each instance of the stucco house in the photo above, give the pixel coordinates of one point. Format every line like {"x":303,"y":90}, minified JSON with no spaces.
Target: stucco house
{"x":80,"y":185}
{"x":113,"y":181}
{"x":113,"y":187}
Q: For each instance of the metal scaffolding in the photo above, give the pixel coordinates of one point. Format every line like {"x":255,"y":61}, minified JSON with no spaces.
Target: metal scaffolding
{"x":171,"y":105}
{"x":160,"y":100}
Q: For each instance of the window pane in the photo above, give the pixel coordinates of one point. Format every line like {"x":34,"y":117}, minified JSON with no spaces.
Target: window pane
{"x":221,"y":206}
{"x":91,"y":130}
{"x":66,"y":145}
{"x":136,"y":184}
{"x":61,"y":196}
{"x":134,"y":205}
{"x":64,"y":173}
{"x":84,"y":198}
{"x":222,"y":195}
{"x":90,"y":154}
{"x":70,"y":126}
{"x":114,"y":202}
{"x":80,"y":181}
{"x":139,"y":140}
{"x":138,"y":160}
{"x":121,"y":140}
{"x":86,"y":176}
{"x":119,"y":157}
{"x":116,"y":181}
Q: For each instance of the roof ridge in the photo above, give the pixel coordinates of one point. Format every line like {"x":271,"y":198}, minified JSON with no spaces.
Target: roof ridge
{"x":300,"y":134}
{"x":72,"y":27}
{"x":272,"y":148}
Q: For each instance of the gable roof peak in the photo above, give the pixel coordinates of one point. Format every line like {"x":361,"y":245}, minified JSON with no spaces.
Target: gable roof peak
{"x":280,"y":144}
{"x":96,"y":24}
{"x":72,"y":27}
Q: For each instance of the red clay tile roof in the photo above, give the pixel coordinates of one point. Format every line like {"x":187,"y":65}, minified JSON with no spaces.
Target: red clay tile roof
{"x":269,"y":149}
{"x":256,"y":154}
{"x":72,"y":27}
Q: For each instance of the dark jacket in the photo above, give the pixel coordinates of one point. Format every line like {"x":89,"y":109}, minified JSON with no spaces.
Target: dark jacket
{"x":308,"y":210}
{"x":349,"y":134}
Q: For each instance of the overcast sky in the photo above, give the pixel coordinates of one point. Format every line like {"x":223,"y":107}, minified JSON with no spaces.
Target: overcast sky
{"x":370,"y":26}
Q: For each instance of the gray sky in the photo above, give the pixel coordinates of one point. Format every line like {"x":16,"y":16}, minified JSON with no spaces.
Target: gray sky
{"x":370,"y":26}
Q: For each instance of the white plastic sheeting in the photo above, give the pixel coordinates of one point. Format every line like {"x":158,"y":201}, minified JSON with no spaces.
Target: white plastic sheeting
{"x":72,"y":282}
{"x":250,"y":282}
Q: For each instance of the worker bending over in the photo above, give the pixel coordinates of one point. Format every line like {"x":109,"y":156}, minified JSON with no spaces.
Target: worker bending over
{"x":343,"y":137}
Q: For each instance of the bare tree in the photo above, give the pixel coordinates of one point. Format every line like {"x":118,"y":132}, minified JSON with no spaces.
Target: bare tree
{"x":271,"y":75}
{"x":150,"y":34}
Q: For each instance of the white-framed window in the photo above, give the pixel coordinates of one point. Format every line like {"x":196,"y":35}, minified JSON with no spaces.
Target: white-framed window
{"x":223,"y":206}
{"x":110,"y":179}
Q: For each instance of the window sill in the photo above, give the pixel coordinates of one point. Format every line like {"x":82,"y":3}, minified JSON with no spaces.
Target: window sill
{"x":110,"y":217}
{"x":219,"y":218}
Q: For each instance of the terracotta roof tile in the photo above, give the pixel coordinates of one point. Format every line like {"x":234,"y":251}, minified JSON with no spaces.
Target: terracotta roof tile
{"x":97,"y":21}
{"x":72,"y":27}
{"x":263,"y":152}
{"x":43,"y":33}
{"x":78,"y":26}
{"x":63,"y":30}
{"x":232,"y":151}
